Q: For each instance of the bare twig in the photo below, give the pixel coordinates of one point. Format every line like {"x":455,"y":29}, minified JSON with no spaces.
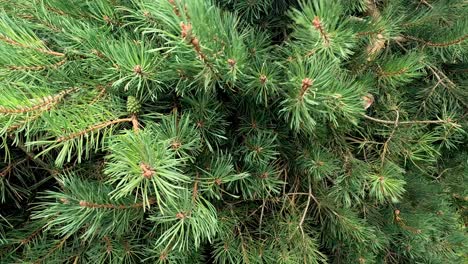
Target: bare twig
{"x":408,"y":122}
{"x":385,"y":146}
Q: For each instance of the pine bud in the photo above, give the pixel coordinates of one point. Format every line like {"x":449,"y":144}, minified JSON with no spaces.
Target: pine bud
{"x":133,"y":105}
{"x":368,"y":100}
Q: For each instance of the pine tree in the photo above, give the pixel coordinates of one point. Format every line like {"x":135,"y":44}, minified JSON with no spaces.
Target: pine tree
{"x":233,"y":131}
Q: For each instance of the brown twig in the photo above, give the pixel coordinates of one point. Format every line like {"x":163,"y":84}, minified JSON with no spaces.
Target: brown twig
{"x":113,"y":206}
{"x":306,"y":84}
{"x":94,"y":127}
{"x":10,"y":167}
{"x":36,"y":68}
{"x":426,"y":3}
{"x":195,"y":187}
{"x":135,"y":123}
{"x":39,"y":162}
{"x":443,"y":44}
{"x":15,"y":43}
{"x":377,"y":42}
{"x":319,"y":26}
{"x":59,"y":245}
{"x":394,"y":73}
{"x":174,"y":8}
{"x":385,"y":146}
{"x":26,"y":120}
{"x":45,"y":102}
{"x":102,"y":91}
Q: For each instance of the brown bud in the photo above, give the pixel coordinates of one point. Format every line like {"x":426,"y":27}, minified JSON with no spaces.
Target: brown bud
{"x":176,"y":145}
{"x":147,"y":171}
{"x":195,"y":42}
{"x":254,"y":124}
{"x":231,"y":62}
{"x":263,"y":79}
{"x":137,"y":69}
{"x":185,"y":29}
{"x":316,"y":23}
{"x":397,"y":212}
{"x":307,"y":82}
{"x":107,"y":19}
{"x":368,"y":100}
{"x":180,"y":215}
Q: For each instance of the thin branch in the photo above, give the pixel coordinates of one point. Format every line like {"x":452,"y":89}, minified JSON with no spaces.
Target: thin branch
{"x":304,"y":215}
{"x":45,"y":102}
{"x":261,"y":216}
{"x":113,"y":206}
{"x":385,"y":146}
{"x":94,"y":127}
{"x":36,"y":68}
{"x":59,"y":245}
{"x":102,"y":91}
{"x":426,"y":3}
{"x":39,"y":162}
{"x":306,"y":84}
{"x":46,"y":51}
{"x":195,"y":187}
{"x":319,"y":26}
{"x":442,"y":44}
{"x":394,"y":73}
{"x":441,"y":77}
{"x":135,"y":123}
{"x":10,"y":167}
{"x":408,"y":122}
{"x":377,"y":42}
{"x":31,"y":236}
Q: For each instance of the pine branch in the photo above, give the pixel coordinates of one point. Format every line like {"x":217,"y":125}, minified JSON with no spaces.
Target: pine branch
{"x":45,"y":102}
{"x":394,"y":73}
{"x":377,"y":42}
{"x":385,"y":146}
{"x":114,"y":206}
{"x":442,"y":44}
{"x":306,"y":83}
{"x":14,"y":43}
{"x":52,"y":250}
{"x":319,"y":26}
{"x":102,"y":91}
{"x":36,"y":68}
{"x":186,"y":31}
{"x":372,"y":9}
{"x":95,"y":127}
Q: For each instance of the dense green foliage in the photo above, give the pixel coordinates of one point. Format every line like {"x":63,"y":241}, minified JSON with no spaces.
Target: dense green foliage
{"x":233,"y":131}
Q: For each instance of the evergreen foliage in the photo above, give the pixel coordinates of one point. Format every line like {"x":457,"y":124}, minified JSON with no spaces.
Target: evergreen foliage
{"x":233,"y":131}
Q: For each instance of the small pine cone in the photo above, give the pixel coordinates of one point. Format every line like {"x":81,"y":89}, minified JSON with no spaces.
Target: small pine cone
{"x":133,"y":105}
